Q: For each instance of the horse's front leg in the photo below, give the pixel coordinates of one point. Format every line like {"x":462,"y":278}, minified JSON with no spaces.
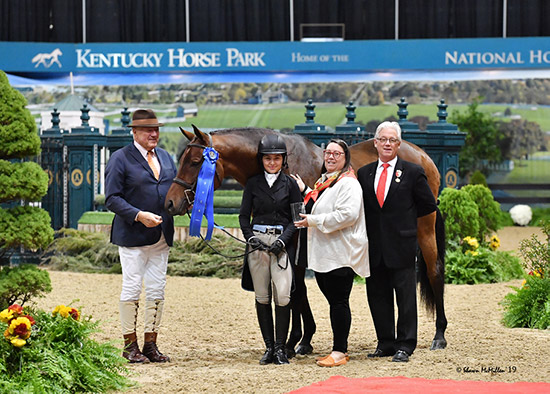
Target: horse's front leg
{"x":435,"y":270}
{"x":300,"y":310}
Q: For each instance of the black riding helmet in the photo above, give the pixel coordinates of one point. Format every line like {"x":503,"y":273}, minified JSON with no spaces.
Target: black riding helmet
{"x":272,"y":144}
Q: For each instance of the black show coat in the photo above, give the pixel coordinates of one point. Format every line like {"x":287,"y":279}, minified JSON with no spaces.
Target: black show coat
{"x":269,"y":206}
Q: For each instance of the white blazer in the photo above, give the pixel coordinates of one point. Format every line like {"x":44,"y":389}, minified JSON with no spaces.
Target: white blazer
{"x":337,"y":233}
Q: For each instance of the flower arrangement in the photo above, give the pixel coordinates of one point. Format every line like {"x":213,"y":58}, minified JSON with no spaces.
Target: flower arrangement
{"x":54,"y":350}
{"x":521,"y":214}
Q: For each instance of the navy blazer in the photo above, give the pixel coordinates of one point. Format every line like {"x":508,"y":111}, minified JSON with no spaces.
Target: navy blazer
{"x":130,"y":187}
{"x":392,"y":229}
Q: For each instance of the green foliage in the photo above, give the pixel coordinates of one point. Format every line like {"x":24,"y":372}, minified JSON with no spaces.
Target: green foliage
{"x":21,"y":284}
{"x":488,"y":208}
{"x":506,"y":219}
{"x":521,"y":138}
{"x":26,"y":226}
{"x":529,"y":306}
{"x":460,"y":213}
{"x":227,"y":201}
{"x":536,"y":254}
{"x":23,"y":225}
{"x":481,"y":141}
{"x":478,"y":178}
{"x":481,"y":266}
{"x":26,"y":181}
{"x":540,"y":216}
{"x":194,"y":258}
{"x":82,"y":251}
{"x":18,"y":135}
{"x":61,"y":357}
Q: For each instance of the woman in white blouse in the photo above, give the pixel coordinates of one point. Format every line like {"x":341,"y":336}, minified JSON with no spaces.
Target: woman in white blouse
{"x":337,"y":244}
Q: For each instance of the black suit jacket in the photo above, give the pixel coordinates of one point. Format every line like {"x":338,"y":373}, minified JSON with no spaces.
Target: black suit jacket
{"x":269,"y":206}
{"x":130,"y":187}
{"x":392,"y":229}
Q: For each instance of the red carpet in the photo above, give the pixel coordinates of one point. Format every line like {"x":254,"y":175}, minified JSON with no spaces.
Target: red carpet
{"x":400,"y":384}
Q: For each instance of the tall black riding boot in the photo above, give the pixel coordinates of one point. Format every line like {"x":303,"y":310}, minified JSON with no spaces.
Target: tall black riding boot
{"x":265,"y":318}
{"x":282,"y":320}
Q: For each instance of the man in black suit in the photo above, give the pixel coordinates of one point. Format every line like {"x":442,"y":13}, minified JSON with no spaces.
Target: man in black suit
{"x":395,"y":194}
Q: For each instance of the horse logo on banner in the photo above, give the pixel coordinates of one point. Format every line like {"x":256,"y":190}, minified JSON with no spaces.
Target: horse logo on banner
{"x":47,"y":59}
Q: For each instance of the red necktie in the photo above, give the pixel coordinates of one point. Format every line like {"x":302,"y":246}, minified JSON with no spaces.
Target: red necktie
{"x":381,"y":189}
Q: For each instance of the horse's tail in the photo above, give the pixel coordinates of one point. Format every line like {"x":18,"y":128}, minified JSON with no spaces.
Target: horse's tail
{"x":426,"y":290}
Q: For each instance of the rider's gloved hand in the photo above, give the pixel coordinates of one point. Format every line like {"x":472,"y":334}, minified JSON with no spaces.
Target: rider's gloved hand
{"x":276,"y":247}
{"x":256,"y":243}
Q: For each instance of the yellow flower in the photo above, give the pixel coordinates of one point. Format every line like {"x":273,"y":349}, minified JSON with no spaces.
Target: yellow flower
{"x":62,"y":310}
{"x":20,"y":327}
{"x":495,"y":243}
{"x":66,"y":311}
{"x":6,"y":315}
{"x":472,"y":252}
{"x":18,"y":342}
{"x":471,"y":242}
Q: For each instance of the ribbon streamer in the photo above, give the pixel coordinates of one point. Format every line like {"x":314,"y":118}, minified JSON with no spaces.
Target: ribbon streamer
{"x":204,"y":195}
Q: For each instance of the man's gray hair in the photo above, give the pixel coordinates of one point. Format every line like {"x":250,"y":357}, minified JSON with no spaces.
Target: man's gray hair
{"x":388,"y":125}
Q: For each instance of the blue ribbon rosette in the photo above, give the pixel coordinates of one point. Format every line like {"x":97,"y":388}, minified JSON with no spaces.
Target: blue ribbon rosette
{"x":204,"y":195}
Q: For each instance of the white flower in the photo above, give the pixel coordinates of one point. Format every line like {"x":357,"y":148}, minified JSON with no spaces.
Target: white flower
{"x":521,"y":214}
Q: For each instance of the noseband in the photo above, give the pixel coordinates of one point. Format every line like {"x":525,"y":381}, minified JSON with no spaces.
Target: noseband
{"x":189,"y":188}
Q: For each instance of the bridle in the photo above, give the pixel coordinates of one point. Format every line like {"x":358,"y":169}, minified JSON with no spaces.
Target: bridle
{"x":189,"y":188}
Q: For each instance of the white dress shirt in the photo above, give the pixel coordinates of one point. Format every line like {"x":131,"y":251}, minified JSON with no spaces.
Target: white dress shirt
{"x":390,"y":170}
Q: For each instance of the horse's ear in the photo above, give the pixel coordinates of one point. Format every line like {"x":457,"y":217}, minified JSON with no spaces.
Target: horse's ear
{"x":200,"y":134}
{"x":186,"y":133}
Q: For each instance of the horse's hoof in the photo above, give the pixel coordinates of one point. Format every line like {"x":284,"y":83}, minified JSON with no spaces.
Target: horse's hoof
{"x":290,"y":353}
{"x":438,"y":344}
{"x":304,"y":349}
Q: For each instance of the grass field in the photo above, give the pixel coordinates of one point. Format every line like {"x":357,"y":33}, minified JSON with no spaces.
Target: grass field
{"x":529,"y":171}
{"x":279,"y":116}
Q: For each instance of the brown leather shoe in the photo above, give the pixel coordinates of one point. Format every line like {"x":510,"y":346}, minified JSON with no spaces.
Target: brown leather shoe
{"x":151,"y":351}
{"x":131,"y":350}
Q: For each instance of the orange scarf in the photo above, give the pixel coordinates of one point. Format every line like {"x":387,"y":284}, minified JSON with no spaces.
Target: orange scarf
{"x":320,"y":186}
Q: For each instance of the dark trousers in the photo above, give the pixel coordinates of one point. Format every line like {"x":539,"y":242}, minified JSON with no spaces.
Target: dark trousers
{"x":381,"y":285}
{"x":336,"y":287}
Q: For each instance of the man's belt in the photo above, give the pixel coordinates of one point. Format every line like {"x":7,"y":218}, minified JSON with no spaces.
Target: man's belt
{"x":267,"y":229}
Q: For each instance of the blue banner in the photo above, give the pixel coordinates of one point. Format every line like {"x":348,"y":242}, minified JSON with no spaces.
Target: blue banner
{"x":204,"y":195}
{"x":443,"y":55}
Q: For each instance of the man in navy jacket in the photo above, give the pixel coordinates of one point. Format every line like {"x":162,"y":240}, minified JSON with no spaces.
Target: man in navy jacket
{"x":137,"y":179}
{"x":391,"y":213}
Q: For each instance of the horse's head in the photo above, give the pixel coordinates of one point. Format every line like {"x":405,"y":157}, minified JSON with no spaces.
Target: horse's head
{"x":181,"y":194}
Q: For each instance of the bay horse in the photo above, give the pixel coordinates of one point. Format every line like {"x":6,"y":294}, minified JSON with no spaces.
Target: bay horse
{"x":237,"y":150}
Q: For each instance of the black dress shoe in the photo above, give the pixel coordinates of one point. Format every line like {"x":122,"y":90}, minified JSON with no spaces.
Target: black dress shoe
{"x":379,"y":353}
{"x":400,"y":356}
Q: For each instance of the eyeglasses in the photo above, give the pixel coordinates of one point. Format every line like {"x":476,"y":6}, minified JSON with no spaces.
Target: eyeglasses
{"x":334,"y":154}
{"x":392,"y":141}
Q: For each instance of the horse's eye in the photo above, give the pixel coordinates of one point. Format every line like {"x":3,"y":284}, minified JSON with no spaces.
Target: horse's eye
{"x":195,"y":163}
